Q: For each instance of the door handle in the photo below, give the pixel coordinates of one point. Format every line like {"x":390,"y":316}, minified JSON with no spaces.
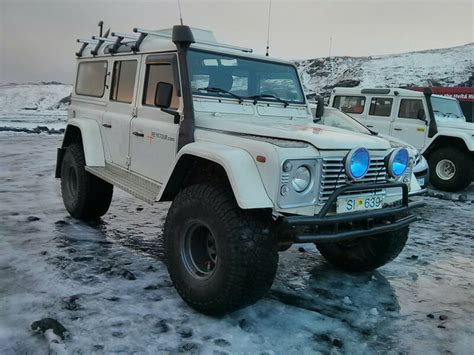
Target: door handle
{"x":398,"y":129}
{"x":370,"y":126}
{"x":138,"y":134}
{"x":106,"y":125}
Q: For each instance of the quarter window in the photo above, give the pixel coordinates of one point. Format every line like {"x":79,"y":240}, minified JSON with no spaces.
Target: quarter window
{"x":380,"y":106}
{"x":91,"y":78}
{"x":410,"y":108}
{"x":123,"y":81}
{"x":350,"y":104}
{"x":154,"y":74}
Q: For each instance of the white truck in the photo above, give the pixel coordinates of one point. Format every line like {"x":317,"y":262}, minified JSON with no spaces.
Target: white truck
{"x":432,"y":123}
{"x":229,"y":138}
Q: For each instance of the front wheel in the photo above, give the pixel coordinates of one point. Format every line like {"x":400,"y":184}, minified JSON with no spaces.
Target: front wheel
{"x":219,"y":257}
{"x":450,"y":169}
{"x":367,"y":253}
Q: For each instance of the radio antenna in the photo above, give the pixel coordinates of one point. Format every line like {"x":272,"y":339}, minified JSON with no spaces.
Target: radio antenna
{"x":180,"y":14}
{"x":268,"y":28}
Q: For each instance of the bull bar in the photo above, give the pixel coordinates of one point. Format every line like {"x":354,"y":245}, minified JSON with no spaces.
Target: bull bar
{"x":377,"y":221}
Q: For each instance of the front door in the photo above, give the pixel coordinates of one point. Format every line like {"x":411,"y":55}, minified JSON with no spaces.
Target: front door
{"x":120,"y":110}
{"x":154,"y":135}
{"x":379,"y":116}
{"x":410,"y":124}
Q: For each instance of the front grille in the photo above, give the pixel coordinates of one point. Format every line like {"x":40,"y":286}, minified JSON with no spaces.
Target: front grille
{"x":333,"y":176}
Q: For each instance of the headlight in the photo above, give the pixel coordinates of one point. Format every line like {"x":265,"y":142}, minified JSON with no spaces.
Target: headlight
{"x":397,"y":162}
{"x":301,"y":179}
{"x":357,"y":163}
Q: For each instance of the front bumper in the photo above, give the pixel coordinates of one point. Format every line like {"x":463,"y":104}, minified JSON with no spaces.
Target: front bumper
{"x":323,"y":228}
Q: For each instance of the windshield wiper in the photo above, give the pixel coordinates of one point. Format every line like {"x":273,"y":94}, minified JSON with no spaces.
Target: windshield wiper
{"x":262,"y":96}
{"x":444,"y":115}
{"x":452,"y":113}
{"x":221,"y":91}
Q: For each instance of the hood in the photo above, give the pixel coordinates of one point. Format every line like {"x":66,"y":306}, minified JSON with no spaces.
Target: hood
{"x":320,"y":136}
{"x":456,"y":124}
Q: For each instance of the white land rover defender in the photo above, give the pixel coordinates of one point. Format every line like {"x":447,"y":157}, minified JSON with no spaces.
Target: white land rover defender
{"x":229,"y":138}
{"x":432,"y":123}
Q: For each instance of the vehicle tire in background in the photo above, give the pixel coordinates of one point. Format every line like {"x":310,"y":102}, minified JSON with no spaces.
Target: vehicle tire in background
{"x":220,"y":258}
{"x":85,"y":196}
{"x":365,"y":254}
{"x":450,"y":169}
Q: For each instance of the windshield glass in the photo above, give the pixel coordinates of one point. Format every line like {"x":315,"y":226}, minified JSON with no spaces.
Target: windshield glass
{"x":446,"y":109}
{"x":247,"y":78}
{"x":336,"y":118}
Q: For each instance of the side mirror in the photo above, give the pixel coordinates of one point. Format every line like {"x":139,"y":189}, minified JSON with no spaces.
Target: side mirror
{"x":163,"y":94}
{"x":320,"y":107}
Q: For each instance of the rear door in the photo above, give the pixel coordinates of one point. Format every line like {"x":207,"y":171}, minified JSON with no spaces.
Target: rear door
{"x":410,"y":124}
{"x":120,"y":110}
{"x":379,"y":115}
{"x":154,"y":135}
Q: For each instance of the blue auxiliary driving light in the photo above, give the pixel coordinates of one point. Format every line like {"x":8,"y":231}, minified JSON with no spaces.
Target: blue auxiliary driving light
{"x":397,"y":162}
{"x":357,"y":163}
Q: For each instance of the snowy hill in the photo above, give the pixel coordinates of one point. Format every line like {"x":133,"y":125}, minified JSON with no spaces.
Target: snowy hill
{"x":38,"y":107}
{"x":446,"y":67}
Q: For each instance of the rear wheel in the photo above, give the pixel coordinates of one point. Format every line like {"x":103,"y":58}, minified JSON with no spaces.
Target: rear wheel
{"x":450,"y":169}
{"x":220,"y":258}
{"x":85,"y":196}
{"x":367,"y":253}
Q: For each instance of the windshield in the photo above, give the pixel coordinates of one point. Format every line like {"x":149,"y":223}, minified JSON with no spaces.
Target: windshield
{"x":338,"y":119}
{"x":446,"y":109}
{"x":233,"y":76}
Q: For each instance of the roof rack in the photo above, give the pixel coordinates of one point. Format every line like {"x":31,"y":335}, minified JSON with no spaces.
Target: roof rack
{"x":144,"y":33}
{"x":84,"y":42}
{"x":119,"y":37}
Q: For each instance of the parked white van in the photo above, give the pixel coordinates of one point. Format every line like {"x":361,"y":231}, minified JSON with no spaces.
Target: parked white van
{"x":434,"y":124}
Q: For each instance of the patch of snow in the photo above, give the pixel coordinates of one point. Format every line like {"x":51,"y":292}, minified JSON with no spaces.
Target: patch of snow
{"x":447,"y":67}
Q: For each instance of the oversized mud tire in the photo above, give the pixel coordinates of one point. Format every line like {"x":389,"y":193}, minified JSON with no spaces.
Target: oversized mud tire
{"x":450,"y":169}
{"x":367,"y":253}
{"x":85,"y":196}
{"x":220,"y":258}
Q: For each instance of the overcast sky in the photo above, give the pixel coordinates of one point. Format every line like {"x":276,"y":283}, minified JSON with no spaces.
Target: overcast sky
{"x":37,"y":37}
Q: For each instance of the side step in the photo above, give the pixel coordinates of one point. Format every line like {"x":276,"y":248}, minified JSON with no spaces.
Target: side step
{"x":135,"y":185}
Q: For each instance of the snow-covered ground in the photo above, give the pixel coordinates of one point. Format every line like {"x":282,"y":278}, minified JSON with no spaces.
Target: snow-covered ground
{"x":446,"y":67}
{"x":107,"y":285}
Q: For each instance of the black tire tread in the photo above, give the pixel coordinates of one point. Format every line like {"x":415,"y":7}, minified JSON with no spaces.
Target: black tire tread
{"x":463,"y":162}
{"x":255,"y":251}
{"x":94,"y":194}
{"x":367,"y":253}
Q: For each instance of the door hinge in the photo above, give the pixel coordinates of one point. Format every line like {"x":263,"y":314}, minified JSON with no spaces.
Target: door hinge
{"x":127,"y":161}
{"x":134,"y":112}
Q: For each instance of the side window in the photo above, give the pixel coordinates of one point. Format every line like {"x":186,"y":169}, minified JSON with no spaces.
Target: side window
{"x":350,"y":104}
{"x":91,"y":78}
{"x":154,"y":74}
{"x":380,"y":106}
{"x":411,"y":108}
{"x":123,"y":81}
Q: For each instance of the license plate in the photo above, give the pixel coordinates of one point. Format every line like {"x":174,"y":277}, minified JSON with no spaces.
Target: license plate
{"x":421,"y":182}
{"x":359,"y":203}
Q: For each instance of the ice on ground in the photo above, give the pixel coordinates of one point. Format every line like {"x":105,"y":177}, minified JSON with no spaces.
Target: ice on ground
{"x":53,"y":266}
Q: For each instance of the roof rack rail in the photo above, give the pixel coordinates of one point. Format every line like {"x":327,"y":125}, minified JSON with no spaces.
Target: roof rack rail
{"x":144,"y":33}
{"x":120,"y":37}
{"x":84,"y":42}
